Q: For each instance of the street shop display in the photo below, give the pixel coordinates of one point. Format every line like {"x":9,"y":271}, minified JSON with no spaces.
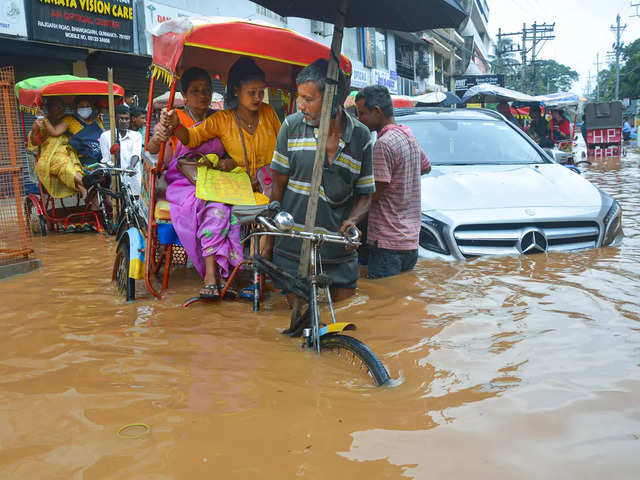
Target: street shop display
{"x":99,"y":24}
{"x":48,"y":206}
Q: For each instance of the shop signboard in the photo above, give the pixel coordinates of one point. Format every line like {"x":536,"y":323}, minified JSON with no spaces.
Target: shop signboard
{"x":99,"y":24}
{"x":12,"y":18}
{"x":149,"y":14}
{"x":387,"y":79}
{"x":465,"y":82}
{"x":360,"y":77}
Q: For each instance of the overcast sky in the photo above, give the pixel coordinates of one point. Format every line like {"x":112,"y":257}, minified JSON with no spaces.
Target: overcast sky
{"x":582,"y":28}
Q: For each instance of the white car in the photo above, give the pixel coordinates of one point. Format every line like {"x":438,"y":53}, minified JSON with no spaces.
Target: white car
{"x":493,"y":191}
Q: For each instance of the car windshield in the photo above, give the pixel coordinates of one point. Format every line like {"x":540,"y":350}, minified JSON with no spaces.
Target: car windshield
{"x":472,"y":142}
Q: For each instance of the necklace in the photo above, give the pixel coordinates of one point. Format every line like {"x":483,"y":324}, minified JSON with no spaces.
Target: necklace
{"x":247,"y":124}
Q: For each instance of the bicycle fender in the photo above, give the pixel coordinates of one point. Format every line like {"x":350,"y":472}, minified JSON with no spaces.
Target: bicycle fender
{"x":136,"y":252}
{"x":338,"y":327}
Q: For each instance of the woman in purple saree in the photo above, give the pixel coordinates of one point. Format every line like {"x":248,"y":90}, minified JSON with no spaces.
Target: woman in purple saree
{"x":207,"y":230}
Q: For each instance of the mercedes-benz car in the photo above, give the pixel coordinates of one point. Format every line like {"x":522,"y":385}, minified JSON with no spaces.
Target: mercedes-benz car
{"x":493,"y":191}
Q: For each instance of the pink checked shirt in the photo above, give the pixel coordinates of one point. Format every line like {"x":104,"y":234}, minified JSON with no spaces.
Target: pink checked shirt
{"x":394,"y":218}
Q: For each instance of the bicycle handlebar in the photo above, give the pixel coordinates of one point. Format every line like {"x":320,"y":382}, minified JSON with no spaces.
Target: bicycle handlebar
{"x":274,"y":231}
{"x":102,"y":167}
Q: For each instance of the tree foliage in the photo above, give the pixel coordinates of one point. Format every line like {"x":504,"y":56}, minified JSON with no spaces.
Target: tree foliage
{"x":629,"y":75}
{"x":550,"y":76}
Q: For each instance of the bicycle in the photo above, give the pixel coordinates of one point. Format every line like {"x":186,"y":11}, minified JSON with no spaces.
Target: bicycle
{"x":271,"y":222}
{"x":96,"y":182}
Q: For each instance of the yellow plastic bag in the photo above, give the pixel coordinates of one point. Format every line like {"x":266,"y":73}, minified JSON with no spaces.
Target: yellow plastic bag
{"x":232,"y":188}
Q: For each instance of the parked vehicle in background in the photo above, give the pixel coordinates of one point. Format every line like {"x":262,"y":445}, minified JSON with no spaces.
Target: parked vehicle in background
{"x":493,"y":191}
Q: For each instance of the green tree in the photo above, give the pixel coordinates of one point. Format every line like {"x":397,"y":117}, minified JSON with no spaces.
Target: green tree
{"x":551,"y":77}
{"x":630,"y":72}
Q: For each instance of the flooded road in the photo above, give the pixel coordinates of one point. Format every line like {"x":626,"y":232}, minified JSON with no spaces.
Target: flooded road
{"x":506,"y":368}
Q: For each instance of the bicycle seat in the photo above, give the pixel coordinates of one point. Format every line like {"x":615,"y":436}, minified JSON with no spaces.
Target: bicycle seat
{"x":94,"y":178}
{"x":247,"y":213}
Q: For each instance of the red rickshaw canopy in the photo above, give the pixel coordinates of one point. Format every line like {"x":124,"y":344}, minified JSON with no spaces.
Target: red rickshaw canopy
{"x":215,"y":43}
{"x":31,"y":91}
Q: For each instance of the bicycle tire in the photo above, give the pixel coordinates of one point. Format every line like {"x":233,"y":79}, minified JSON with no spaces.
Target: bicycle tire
{"x":124,"y":285}
{"x":375,"y":367}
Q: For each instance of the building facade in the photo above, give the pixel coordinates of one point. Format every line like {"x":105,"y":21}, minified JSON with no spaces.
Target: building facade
{"x":113,"y":33}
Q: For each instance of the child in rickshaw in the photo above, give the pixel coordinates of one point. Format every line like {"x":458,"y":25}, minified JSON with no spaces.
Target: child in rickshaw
{"x":58,"y":167}
{"x":247,"y":131}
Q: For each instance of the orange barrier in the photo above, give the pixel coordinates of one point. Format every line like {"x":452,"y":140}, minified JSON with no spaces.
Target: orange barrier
{"x":15,"y":235}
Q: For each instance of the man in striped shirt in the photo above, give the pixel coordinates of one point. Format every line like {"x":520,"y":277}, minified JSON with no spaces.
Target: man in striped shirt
{"x":347,"y":184}
{"x":398,"y":163}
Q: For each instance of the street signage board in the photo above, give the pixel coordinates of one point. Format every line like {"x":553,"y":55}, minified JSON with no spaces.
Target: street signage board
{"x":99,"y":24}
{"x":12,"y":18}
{"x":465,"y":82}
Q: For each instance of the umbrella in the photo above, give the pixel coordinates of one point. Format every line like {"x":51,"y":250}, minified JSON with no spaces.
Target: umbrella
{"x":440,"y":99}
{"x":31,"y":91}
{"x":487,"y":93}
{"x":560,"y":99}
{"x":433,"y":98}
{"x":452,"y":99}
{"x":403,"y":15}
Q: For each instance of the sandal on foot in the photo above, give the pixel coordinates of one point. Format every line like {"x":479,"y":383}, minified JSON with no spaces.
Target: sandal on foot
{"x":210,"y":291}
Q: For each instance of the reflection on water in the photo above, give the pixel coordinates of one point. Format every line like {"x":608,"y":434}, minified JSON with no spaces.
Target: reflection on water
{"x":506,"y":368}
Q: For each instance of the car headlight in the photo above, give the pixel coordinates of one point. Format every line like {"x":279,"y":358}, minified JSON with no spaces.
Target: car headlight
{"x":612,"y":224}
{"x":432,"y":235}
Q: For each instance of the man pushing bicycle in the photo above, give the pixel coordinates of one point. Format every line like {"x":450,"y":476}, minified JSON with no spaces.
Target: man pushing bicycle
{"x":347,"y":185}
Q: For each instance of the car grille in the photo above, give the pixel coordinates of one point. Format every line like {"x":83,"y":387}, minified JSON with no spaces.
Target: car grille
{"x":503,"y":239}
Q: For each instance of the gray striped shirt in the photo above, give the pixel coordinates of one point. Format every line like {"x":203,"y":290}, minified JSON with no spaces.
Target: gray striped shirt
{"x":349,"y":176}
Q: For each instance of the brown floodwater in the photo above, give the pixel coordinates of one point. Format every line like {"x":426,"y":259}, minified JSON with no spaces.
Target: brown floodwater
{"x":504,"y":368}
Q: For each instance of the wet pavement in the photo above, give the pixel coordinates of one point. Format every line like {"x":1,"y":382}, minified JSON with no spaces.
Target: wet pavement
{"x":504,"y":368}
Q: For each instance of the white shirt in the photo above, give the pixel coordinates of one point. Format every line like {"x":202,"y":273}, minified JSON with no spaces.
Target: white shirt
{"x":130,"y":146}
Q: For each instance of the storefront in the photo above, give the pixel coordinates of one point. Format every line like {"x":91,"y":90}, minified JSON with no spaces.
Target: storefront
{"x":77,"y":37}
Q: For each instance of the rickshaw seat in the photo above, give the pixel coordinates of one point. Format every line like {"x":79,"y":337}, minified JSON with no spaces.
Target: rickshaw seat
{"x":246,"y":214}
{"x":162,"y":212}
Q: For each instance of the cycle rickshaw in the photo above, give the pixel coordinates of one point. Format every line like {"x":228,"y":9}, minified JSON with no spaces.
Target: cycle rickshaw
{"x":215,"y":44}
{"x":44,"y":211}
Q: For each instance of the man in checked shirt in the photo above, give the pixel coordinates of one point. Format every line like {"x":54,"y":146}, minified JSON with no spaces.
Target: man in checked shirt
{"x":398,"y":163}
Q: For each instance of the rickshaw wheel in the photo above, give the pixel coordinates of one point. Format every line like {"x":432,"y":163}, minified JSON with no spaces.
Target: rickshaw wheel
{"x":126,"y":286}
{"x":37,"y":223}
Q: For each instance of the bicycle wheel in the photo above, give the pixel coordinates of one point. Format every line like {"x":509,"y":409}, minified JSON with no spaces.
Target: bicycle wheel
{"x":357,"y":355}
{"x":126,"y":286}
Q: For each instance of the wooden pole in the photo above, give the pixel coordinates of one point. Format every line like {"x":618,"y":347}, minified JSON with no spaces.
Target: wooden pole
{"x":115,"y":159}
{"x":325,"y":117}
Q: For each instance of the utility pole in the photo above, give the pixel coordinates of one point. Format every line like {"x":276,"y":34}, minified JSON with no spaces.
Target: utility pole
{"x":597,"y":77}
{"x":618,"y":29}
{"x":636,"y":5}
{"x":531,"y":38}
{"x":523,"y":73}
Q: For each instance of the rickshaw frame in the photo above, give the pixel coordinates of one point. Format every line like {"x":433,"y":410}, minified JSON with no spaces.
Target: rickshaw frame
{"x":287,"y":52}
{"x":60,"y":217}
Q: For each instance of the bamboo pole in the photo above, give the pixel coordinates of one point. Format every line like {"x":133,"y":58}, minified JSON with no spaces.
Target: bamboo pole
{"x":325,"y":118}
{"x":115,"y":159}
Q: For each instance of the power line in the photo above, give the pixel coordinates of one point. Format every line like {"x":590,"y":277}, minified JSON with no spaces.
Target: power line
{"x":533,"y":38}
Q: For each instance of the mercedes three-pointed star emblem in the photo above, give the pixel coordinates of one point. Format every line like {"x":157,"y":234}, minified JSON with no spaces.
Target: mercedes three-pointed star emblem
{"x":532,"y":241}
